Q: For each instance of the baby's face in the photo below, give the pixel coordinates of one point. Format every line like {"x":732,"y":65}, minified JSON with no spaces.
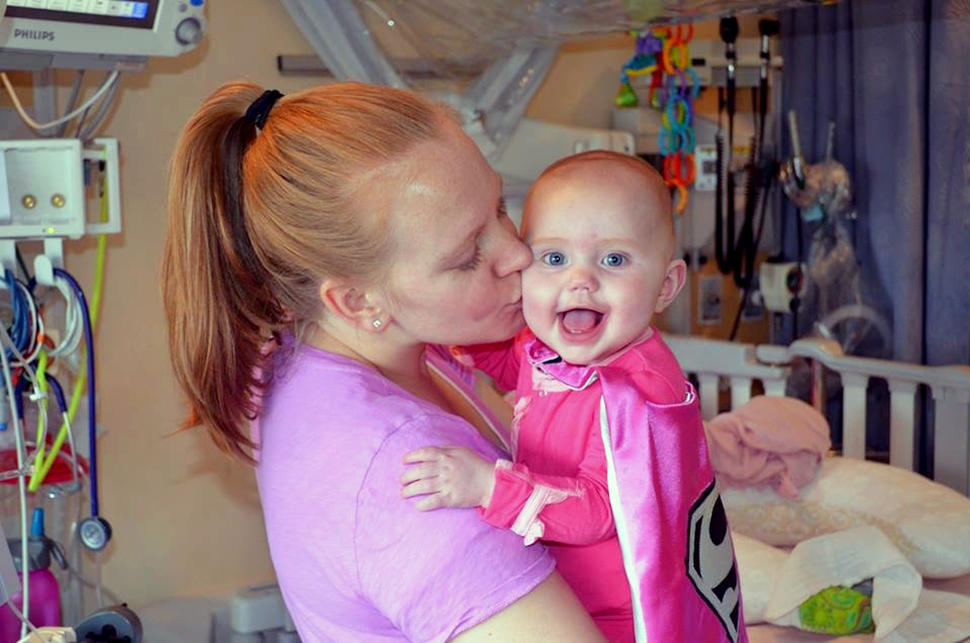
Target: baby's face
{"x":599,"y":262}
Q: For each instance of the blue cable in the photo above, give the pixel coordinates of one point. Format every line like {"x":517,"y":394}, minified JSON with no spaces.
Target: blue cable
{"x":18,"y":390}
{"x":92,"y":415}
{"x":20,"y":324}
{"x":58,"y":392}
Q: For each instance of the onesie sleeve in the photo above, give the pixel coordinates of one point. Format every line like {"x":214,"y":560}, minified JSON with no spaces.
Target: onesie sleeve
{"x":438,"y":573}
{"x":500,"y":361}
{"x":563,"y":509}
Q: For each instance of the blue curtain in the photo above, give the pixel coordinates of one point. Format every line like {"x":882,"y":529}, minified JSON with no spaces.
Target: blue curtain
{"x":894,"y":75}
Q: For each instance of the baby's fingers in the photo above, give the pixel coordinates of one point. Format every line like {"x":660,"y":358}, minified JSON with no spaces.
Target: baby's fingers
{"x":424,"y":454}
{"x":420,"y":488}
{"x":420,"y":471}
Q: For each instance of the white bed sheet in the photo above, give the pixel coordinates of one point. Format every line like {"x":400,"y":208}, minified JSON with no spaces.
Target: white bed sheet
{"x":765,"y":633}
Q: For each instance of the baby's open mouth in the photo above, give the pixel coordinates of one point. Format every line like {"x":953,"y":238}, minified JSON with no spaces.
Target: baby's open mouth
{"x":580,"y":320}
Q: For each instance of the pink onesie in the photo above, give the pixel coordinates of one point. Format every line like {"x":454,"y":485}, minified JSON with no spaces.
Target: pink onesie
{"x":558,"y":487}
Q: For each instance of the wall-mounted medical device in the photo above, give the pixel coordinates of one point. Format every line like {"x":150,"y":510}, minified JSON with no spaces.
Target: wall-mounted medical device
{"x":102,"y":27}
{"x":42,"y":188}
{"x":46,"y":193}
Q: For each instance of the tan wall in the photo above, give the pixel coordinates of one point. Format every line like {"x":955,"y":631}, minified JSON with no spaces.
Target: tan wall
{"x":186,"y":519}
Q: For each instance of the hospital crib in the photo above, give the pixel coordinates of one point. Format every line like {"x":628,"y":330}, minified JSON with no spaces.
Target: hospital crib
{"x":739,"y":369}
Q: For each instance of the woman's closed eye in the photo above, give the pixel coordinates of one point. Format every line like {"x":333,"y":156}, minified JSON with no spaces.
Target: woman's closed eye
{"x":472,"y":263}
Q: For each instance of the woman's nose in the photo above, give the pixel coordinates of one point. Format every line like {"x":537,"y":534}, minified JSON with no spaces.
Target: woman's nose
{"x":514,"y":255}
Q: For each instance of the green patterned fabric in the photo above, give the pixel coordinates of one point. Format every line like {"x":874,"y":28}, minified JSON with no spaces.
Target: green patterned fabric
{"x":838,"y":610}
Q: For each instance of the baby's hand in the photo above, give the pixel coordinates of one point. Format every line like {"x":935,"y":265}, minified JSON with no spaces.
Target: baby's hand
{"x":447,"y":477}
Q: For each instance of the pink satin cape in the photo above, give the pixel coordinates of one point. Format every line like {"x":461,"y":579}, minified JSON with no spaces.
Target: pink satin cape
{"x":673,"y":534}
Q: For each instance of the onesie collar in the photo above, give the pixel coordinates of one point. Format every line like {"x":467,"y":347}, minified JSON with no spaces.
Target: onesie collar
{"x":549,"y":362}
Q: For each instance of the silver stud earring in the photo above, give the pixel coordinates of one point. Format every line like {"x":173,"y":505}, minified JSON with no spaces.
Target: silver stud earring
{"x":376,"y":323}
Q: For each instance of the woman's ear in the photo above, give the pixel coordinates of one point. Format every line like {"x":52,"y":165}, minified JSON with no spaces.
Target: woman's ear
{"x":351,"y":303}
{"x":674,"y":280}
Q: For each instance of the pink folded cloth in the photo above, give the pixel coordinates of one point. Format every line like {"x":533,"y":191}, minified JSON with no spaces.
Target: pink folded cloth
{"x":769,"y":440}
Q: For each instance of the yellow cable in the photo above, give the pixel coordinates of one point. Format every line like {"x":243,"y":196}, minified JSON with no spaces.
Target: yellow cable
{"x":41,"y":375}
{"x":43,"y":468}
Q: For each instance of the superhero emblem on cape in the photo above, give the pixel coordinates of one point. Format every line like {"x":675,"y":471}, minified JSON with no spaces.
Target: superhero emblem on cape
{"x":710,"y":559}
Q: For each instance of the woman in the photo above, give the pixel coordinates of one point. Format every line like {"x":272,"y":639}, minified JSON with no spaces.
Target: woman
{"x":321,"y":247}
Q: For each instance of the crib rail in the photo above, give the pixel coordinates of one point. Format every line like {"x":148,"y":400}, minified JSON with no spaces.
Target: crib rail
{"x":714,"y":361}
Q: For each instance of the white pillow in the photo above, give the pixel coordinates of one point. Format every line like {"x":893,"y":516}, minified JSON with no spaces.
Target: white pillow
{"x":928,"y":522}
{"x":758,"y":567}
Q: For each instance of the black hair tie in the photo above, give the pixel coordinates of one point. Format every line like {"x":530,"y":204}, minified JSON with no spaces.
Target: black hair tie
{"x":259,"y":110}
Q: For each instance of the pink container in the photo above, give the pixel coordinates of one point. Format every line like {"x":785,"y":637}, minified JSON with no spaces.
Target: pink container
{"x":45,"y":594}
{"x":45,"y":606}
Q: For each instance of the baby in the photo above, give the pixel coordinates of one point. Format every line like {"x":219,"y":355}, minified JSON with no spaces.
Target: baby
{"x":609,"y":465}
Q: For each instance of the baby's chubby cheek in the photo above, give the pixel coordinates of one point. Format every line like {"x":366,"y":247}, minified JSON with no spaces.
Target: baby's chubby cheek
{"x":538,"y":299}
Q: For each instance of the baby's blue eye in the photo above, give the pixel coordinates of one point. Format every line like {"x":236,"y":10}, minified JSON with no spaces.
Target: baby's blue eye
{"x":613,"y":260}
{"x":554,"y":258}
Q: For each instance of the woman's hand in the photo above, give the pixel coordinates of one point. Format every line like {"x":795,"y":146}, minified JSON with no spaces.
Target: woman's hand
{"x":448,"y":477}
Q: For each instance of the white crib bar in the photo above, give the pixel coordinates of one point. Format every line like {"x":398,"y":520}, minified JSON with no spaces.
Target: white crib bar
{"x":951,"y":461}
{"x":710,"y":359}
{"x":740,"y":391}
{"x":708,"y":393}
{"x":902,"y":422}
{"x":854,"y":415}
{"x":775,"y":387}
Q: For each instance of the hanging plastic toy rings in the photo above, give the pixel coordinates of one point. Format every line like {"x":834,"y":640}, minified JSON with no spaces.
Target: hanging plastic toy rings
{"x":683,"y":84}
{"x":680,"y":168}
{"x":682,"y":196}
{"x":685,"y":139}
{"x":674,"y":115}
{"x":678,"y":111}
{"x":663,"y":142}
{"x":658,"y":92}
{"x":684,"y":32}
{"x":642,"y":71}
{"x":695,"y":83}
{"x":686,"y":169}
{"x":671,"y":65}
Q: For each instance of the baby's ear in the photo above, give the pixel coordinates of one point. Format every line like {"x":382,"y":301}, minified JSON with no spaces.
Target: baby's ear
{"x":674,"y":280}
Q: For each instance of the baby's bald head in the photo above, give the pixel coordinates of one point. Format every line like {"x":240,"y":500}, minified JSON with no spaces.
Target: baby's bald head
{"x":629,"y":177}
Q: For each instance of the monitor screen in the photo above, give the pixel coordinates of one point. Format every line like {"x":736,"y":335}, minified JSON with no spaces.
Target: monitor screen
{"x":116,"y":13}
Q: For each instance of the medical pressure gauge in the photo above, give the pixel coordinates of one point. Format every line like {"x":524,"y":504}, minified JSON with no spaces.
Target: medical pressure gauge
{"x":95,"y":532}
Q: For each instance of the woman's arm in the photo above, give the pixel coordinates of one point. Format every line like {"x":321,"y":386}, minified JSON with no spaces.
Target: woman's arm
{"x":435,"y":574}
{"x":550,"y":612}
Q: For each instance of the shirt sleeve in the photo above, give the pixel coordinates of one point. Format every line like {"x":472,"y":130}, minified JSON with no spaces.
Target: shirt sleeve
{"x":573,"y":510}
{"x":435,"y":574}
{"x":500,"y":361}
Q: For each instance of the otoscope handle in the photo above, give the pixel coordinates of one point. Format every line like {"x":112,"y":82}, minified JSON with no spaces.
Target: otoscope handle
{"x":798,"y":161}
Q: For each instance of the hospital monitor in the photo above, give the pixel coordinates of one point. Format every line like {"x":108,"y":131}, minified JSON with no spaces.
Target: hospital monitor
{"x":102,"y":27}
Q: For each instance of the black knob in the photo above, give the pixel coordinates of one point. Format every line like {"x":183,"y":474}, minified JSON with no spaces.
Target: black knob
{"x":729,"y":29}
{"x":768,"y":27}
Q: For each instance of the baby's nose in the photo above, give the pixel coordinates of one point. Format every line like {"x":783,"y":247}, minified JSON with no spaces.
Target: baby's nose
{"x":580,"y":278}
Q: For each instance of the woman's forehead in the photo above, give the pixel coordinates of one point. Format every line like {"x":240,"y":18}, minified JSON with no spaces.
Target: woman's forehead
{"x":440,"y":194}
